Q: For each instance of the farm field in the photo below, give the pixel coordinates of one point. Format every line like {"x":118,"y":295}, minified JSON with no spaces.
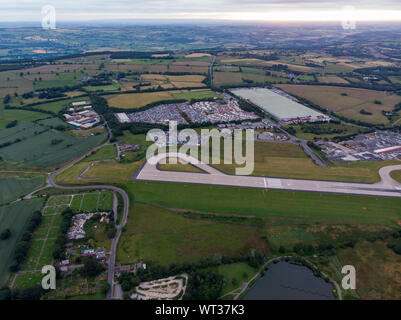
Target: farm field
{"x":258,"y":62}
{"x":347,"y":102}
{"x":23,"y":116}
{"x":14,"y":217}
{"x":332,"y":79}
{"x":11,"y":188}
{"x":139,"y":100}
{"x":58,"y":105}
{"x":44,"y":239}
{"x":227,"y":78}
{"x":167,"y":81}
{"x":41,"y":146}
{"x":313,"y":207}
{"x":163,"y":237}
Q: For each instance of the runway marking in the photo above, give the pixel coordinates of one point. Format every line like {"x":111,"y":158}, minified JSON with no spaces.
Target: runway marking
{"x":275,"y":183}
{"x":265,"y":181}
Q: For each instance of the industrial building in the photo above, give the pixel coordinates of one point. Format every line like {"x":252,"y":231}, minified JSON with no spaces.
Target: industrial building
{"x":280,"y":105}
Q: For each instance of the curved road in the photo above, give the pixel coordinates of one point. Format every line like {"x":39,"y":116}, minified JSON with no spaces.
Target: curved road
{"x":150,"y":172}
{"x":113,"y":249}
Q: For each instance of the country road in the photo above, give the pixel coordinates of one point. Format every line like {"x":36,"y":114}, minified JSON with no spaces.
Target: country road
{"x":113,"y":250}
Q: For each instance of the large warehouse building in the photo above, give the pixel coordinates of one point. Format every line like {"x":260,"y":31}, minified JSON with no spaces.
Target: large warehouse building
{"x":279,"y":105}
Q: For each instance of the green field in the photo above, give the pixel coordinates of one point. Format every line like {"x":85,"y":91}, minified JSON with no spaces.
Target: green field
{"x":90,"y":202}
{"x":6,"y":116}
{"x":396,"y":175}
{"x":58,"y":105}
{"x":76,"y":203}
{"x":107,"y":152}
{"x":39,"y":145}
{"x":348,"y":102}
{"x":284,"y":160}
{"x":234,"y":275}
{"x":302,"y":205}
{"x":164,"y":237}
{"x":15,"y":218}
{"x":327,"y":131}
{"x":139,"y":100}
{"x":11,"y":188}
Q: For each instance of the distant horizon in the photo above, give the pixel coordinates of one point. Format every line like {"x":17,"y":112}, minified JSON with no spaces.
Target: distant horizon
{"x":207,"y":10}
{"x":167,"y":21}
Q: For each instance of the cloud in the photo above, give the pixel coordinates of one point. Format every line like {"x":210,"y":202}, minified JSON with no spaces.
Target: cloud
{"x":215,"y":9}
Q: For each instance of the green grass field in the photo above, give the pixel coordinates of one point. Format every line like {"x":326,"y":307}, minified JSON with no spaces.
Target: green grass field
{"x":41,"y":146}
{"x":163,"y":237}
{"x":90,"y":202}
{"x":23,"y":116}
{"x":58,"y":105}
{"x":331,"y":208}
{"x":396,"y":175}
{"x":15,"y":218}
{"x":138,"y":100}
{"x":234,"y":275}
{"x":107,"y":152}
{"x":378,"y":269}
{"x":349,"y":105}
{"x":303,"y":132}
{"x":11,"y":188}
{"x":284,"y":160}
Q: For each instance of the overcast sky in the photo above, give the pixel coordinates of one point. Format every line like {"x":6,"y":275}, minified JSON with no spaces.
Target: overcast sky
{"x":81,"y":10}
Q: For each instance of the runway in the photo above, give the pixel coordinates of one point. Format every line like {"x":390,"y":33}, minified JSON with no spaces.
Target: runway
{"x":211,"y":176}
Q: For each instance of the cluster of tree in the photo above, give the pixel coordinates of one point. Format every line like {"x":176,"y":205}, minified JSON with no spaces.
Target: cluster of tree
{"x":91,"y":268}
{"x":140,"y":55}
{"x":46,"y":94}
{"x":56,"y":141}
{"x":366,"y":113}
{"x":279,"y":67}
{"x":23,"y":245}
{"x":380,"y":71}
{"x":31,"y":293}
{"x":348,"y":52}
{"x":314,"y":146}
{"x":59,"y":250}
{"x":397,"y":107}
{"x":128,"y":281}
{"x":319,"y":129}
{"x":7,"y":99}
{"x":395,"y":242}
{"x":12,"y":124}
{"x":154,"y":272}
{"x":110,"y":228}
{"x":204,"y":286}
{"x":5,"y":234}
{"x":291,"y":130}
